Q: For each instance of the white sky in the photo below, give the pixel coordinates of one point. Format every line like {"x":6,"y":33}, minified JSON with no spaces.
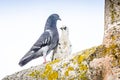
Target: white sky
{"x":22,"y":22}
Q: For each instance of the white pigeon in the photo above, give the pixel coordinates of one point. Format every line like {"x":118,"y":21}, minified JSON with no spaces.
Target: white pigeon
{"x":64,"y":46}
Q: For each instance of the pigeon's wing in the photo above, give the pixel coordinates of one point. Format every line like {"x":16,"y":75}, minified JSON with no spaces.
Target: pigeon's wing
{"x":45,"y":39}
{"x":54,"y":41}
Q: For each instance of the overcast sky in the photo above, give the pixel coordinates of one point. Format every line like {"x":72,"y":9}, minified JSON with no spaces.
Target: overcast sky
{"x":22,"y":22}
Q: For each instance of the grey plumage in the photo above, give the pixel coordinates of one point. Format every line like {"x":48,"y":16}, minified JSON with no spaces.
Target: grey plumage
{"x":47,"y":41}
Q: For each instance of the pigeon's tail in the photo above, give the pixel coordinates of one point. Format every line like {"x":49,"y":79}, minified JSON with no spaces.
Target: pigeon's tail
{"x":28,"y":57}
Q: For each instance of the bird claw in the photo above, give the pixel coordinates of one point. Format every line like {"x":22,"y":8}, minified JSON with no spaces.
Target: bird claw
{"x":45,"y":62}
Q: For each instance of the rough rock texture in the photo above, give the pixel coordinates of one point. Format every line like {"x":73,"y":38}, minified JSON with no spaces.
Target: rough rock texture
{"x":112,"y":22}
{"x":112,"y":13}
{"x":97,"y":63}
{"x":73,"y":67}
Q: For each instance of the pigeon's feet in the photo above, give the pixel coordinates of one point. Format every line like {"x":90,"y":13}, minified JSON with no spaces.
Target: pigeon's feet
{"x":46,"y":62}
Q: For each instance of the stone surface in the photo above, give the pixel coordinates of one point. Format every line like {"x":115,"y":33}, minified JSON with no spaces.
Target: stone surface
{"x":72,"y":67}
{"x":96,"y":63}
{"x":112,"y":13}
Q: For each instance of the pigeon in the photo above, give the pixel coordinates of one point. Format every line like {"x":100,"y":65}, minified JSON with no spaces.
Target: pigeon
{"x":64,"y":46}
{"x":47,"y":42}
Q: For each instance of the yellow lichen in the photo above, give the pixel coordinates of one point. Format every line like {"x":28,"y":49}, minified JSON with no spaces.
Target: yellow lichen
{"x":74,"y":62}
{"x":83,"y":76}
{"x":53,"y":75}
{"x":84,"y":55}
{"x":54,"y":61}
{"x":67,"y":71}
{"x":49,"y":73}
{"x":112,"y":11}
{"x":70,"y":68}
{"x":47,"y":70}
{"x":83,"y":67}
{"x":35,"y":74}
{"x":43,"y":76}
{"x":80,"y":58}
{"x":113,"y":50}
{"x":64,"y":65}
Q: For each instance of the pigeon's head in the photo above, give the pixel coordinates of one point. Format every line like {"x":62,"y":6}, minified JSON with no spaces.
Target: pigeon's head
{"x":52,"y":21}
{"x":54,"y":17}
{"x":65,"y":30}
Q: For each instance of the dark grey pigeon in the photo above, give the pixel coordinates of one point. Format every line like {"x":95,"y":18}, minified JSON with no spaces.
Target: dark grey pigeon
{"x":46,"y":42}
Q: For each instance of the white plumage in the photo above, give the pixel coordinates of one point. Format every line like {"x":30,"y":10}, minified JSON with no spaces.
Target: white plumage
{"x":64,"y":46}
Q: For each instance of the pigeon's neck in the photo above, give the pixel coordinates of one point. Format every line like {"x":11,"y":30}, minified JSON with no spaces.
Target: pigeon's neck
{"x":65,"y":34}
{"x":50,"y":24}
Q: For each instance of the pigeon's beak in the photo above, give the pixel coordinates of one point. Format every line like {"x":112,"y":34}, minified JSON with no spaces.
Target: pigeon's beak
{"x":59,"y":19}
{"x":61,"y":28}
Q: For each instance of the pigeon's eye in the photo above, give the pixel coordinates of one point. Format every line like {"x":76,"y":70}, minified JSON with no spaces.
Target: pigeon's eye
{"x":61,"y":28}
{"x":65,"y":28}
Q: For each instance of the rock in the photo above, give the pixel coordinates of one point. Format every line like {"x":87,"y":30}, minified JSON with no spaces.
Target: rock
{"x":97,"y":62}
